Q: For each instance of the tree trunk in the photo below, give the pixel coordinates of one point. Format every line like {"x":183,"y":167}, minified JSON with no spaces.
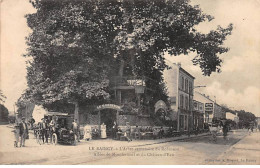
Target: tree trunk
{"x":121,"y":68}
{"x":76,"y":112}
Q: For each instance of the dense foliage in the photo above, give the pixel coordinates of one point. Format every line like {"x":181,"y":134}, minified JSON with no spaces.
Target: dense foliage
{"x":76,"y":45}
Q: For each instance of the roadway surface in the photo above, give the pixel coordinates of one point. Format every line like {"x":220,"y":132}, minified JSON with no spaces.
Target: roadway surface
{"x":239,"y":148}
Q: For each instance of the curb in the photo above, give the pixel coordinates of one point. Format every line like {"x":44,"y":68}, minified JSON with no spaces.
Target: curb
{"x":230,"y":148}
{"x":173,"y":139}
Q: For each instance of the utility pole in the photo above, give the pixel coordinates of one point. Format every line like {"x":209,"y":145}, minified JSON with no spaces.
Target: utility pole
{"x":191,"y":108}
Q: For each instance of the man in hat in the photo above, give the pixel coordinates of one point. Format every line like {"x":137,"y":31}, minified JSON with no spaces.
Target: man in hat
{"x":23,"y":132}
{"x":76,"y":129}
{"x":44,"y":130}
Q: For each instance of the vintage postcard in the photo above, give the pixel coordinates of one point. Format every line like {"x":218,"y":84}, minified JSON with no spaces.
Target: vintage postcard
{"x":130,"y":82}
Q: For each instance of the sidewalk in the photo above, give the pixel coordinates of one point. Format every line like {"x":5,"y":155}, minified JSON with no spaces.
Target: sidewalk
{"x":246,"y":151}
{"x":34,"y":153}
{"x":136,"y":143}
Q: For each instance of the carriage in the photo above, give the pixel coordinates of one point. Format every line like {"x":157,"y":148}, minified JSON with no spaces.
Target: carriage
{"x":61,"y":131}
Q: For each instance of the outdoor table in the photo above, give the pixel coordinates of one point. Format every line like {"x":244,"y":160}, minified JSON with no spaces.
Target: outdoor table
{"x":176,"y":133}
{"x":148,"y":135}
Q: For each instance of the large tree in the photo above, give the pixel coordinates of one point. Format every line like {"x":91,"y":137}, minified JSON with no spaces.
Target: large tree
{"x":76,"y":45}
{"x":3,"y":110}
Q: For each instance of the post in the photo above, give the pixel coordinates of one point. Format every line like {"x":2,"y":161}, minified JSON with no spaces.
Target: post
{"x":76,"y":112}
{"x":117,"y":117}
{"x":99,"y":119}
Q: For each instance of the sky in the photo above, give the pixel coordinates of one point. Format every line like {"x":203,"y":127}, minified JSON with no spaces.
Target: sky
{"x":237,"y":86}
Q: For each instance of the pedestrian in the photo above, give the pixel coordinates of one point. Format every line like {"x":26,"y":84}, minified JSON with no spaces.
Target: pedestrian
{"x":16,"y":133}
{"x":114,"y":130}
{"x":161,"y":133}
{"x":44,"y":130}
{"x":103,"y":131}
{"x":23,"y":132}
{"x":225,"y":130}
{"x":128,"y":132}
{"x":87,"y":133}
{"x":52,"y":127}
{"x":76,"y":129}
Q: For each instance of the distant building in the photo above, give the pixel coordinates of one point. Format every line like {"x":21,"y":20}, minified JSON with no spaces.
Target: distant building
{"x":233,"y":117}
{"x":179,"y":85}
{"x":211,"y":108}
{"x":219,"y":112}
{"x":198,"y":114}
{"x":258,"y":122}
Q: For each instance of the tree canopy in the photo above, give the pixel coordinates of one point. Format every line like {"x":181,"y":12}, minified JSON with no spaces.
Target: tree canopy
{"x":76,"y":45}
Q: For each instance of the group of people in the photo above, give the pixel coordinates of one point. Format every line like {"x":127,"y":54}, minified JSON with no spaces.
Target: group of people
{"x":142,"y":132}
{"x":217,"y":127}
{"x":138,"y":132}
{"x":94,"y":133}
{"x":21,"y":132}
{"x":46,"y":128}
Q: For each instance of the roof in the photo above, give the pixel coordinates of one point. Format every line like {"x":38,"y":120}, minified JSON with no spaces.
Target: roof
{"x":205,"y":96}
{"x":187,"y":73}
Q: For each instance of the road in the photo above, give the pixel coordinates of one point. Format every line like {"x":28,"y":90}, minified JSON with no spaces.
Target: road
{"x":239,"y":148}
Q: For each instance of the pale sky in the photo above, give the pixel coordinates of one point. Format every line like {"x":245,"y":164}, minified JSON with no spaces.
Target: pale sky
{"x":238,"y":86}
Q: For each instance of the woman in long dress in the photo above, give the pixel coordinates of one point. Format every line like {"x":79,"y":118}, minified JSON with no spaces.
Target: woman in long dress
{"x":103,"y":131}
{"x":87,"y":133}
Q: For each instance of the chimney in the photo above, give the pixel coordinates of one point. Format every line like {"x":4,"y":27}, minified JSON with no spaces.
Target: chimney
{"x":179,"y":64}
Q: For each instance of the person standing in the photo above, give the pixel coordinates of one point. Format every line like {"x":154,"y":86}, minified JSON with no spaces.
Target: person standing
{"x":87,"y":133}
{"x":103,"y":131}
{"x":52,"y":126}
{"x":44,"y":130}
{"x":75,"y":128}
{"x":114,"y":130}
{"x":16,"y":133}
{"x":23,"y":132}
{"x":225,"y":129}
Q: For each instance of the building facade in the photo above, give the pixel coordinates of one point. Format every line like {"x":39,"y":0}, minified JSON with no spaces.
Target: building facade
{"x":198,"y":114}
{"x":180,"y":84}
{"x":211,"y":108}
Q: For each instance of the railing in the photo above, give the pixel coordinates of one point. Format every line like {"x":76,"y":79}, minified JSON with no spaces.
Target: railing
{"x":127,"y":81}
{"x":133,"y":81}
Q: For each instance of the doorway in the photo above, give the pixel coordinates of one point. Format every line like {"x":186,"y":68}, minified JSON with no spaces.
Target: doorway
{"x":108,"y":116}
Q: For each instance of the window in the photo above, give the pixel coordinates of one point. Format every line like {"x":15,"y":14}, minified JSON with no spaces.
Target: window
{"x":181,"y":101}
{"x":172,"y":100}
{"x":186,"y":85}
{"x":190,"y":87}
{"x":181,"y":121}
{"x":190,"y":104}
{"x":186,"y":103}
{"x":186,"y":122}
{"x":182,"y":83}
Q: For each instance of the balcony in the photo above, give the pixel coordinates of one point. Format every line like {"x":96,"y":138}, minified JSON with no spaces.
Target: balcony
{"x":127,"y":82}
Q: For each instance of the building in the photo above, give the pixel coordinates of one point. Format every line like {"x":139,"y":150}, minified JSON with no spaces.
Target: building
{"x":233,"y":117}
{"x":180,"y":84}
{"x":211,"y":108}
{"x":198,"y":114}
{"x":258,"y":122}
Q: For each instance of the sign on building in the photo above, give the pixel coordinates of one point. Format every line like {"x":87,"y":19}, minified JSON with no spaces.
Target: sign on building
{"x":209,"y":107}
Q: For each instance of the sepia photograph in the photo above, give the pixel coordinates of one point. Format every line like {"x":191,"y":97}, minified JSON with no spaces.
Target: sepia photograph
{"x":130,"y":82}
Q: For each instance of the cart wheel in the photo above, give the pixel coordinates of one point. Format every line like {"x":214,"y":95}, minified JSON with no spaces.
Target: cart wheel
{"x":54,"y":139}
{"x":39,"y":139}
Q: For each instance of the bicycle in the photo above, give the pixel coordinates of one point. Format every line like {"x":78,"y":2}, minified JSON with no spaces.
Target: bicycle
{"x":39,"y":136}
